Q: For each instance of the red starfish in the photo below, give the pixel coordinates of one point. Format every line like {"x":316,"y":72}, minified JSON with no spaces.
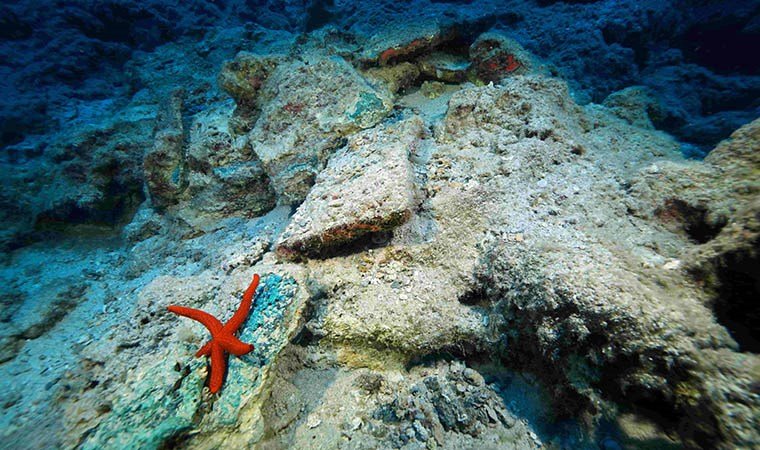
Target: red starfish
{"x":222,"y":336}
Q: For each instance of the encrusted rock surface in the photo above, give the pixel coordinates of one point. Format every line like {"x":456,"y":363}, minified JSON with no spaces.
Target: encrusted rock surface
{"x":438,"y":405}
{"x":445,"y":67}
{"x":555,"y":259}
{"x":637,"y":105}
{"x":164,"y":164}
{"x":395,"y":78}
{"x":243,"y":78}
{"x":314,"y":106}
{"x":88,"y":174}
{"x":176,"y":404}
{"x":224,"y":177}
{"x":367,"y":187}
{"x":405,"y":40}
{"x":715,"y":204}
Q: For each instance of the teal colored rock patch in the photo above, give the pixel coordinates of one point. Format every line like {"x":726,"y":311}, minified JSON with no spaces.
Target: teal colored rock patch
{"x":165,"y":403}
{"x":267,"y":330}
{"x":369,"y":110}
{"x":175,"y":175}
{"x":157,"y":409}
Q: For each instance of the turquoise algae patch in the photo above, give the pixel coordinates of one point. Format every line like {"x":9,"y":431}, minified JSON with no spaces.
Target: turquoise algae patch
{"x":161,"y":406}
{"x":266,"y":328}
{"x":368,"y":110}
{"x":156,"y":410}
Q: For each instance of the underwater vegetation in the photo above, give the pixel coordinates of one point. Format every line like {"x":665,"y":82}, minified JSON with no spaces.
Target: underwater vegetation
{"x":478,"y":224}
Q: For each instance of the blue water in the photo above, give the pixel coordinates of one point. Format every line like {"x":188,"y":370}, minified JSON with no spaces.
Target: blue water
{"x":699,"y":57}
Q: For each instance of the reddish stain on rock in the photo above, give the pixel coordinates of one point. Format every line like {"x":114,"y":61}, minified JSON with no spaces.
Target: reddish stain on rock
{"x":496,"y":67}
{"x":294,"y":108}
{"x":395,"y":52}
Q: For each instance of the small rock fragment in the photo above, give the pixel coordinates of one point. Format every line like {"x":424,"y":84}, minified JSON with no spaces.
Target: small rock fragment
{"x":445,"y":67}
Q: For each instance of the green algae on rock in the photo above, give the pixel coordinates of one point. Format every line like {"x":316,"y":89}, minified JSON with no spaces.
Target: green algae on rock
{"x":368,"y":110}
{"x":152,"y":413}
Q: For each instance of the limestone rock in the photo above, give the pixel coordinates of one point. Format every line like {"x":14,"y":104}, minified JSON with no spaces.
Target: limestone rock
{"x":444,"y":67}
{"x":164,"y":163}
{"x":535,"y":108}
{"x":243,"y":78}
{"x":738,"y":155}
{"x":367,"y":187}
{"x":585,"y":295}
{"x":425,"y":406}
{"x":225,"y":178}
{"x":637,"y":105}
{"x":166,"y":392}
{"x":715,"y":204}
{"x":36,"y":317}
{"x":395,"y":78}
{"x":392,"y":44}
{"x":699,"y":199}
{"x":314,"y":107}
{"x":432,"y":89}
{"x":571,"y":244}
{"x":205,"y":172}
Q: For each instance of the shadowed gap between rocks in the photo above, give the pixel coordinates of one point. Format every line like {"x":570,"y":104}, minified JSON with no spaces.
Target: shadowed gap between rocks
{"x":693,"y":219}
{"x":736,"y":306}
{"x":515,"y":350}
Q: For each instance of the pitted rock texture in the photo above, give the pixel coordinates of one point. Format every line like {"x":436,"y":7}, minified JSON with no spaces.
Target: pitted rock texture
{"x":224,"y":176}
{"x":699,"y":198}
{"x":164,"y":164}
{"x":321,"y":396}
{"x":243,"y":78}
{"x":315,"y":105}
{"x":534,"y":257}
{"x":585,"y":283}
{"x":367,"y":187}
{"x":715,"y":204}
{"x":525,"y":230}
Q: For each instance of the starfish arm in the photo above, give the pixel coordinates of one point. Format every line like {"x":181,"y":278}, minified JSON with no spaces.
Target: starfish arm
{"x":210,"y":322}
{"x":241,"y":314}
{"x":233,"y":345}
{"x":204,"y":351}
{"x":218,"y":367}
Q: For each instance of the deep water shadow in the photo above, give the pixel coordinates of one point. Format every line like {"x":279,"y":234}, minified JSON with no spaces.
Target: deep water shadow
{"x":736,"y":306}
